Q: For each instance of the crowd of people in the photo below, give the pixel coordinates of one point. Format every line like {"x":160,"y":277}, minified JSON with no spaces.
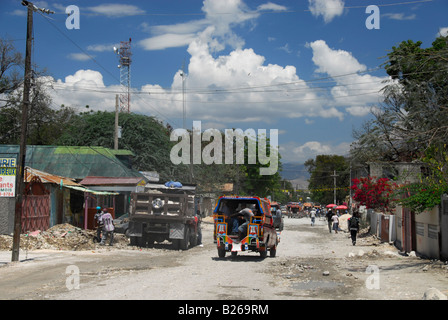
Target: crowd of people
{"x":332,"y":218}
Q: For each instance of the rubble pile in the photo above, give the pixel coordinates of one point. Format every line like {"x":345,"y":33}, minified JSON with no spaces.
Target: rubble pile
{"x":60,"y":237}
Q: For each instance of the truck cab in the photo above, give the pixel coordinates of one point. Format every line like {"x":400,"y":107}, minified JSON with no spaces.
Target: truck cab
{"x":260,"y":235}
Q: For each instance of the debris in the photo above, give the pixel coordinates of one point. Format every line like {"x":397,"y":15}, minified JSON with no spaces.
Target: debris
{"x":60,"y":237}
{"x":434,"y":294}
{"x":326,"y":273}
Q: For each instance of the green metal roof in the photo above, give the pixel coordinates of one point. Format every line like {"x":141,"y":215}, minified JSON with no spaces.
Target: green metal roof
{"x":75,"y":162}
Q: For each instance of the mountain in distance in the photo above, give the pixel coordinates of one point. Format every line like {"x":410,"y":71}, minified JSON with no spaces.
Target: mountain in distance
{"x":296,"y":173}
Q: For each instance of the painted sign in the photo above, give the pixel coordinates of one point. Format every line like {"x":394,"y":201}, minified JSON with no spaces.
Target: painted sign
{"x":7,"y":177}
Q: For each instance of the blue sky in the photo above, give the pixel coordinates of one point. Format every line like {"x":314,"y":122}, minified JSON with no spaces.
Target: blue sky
{"x":310,"y":68}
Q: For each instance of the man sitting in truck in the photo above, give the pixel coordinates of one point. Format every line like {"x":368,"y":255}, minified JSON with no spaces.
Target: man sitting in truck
{"x":227,"y":209}
{"x":242,"y":229}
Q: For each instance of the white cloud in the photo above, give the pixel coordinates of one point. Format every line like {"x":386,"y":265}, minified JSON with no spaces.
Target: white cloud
{"x":442,"y":32}
{"x":239,"y":87}
{"x":328,"y":9}
{"x":19,"y":12}
{"x":116,"y":10}
{"x":354,"y":89}
{"x":102,"y":47}
{"x":291,"y":152}
{"x":399,"y":16}
{"x":79,"y":56}
{"x":234,"y":88}
{"x":215,"y":28}
{"x":168,"y":40}
{"x":271,"y":7}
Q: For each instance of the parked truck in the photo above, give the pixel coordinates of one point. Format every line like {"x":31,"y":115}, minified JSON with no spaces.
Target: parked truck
{"x":161,"y":214}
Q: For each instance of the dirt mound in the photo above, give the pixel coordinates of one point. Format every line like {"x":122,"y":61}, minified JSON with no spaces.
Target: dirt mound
{"x":60,"y":237}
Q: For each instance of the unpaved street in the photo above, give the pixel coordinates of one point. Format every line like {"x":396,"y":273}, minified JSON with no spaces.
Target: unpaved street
{"x":311,"y":263}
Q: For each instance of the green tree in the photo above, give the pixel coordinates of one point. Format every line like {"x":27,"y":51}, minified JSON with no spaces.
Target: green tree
{"x":412,"y":122}
{"x":10,"y":63}
{"x":45,"y":124}
{"x":145,"y":136}
{"x":321,"y":181}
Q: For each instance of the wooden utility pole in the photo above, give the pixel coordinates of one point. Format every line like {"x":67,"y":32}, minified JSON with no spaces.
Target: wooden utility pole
{"x":20,"y":173}
{"x":20,"y":185}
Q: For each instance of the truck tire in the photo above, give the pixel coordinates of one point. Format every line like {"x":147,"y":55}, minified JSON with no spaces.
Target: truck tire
{"x":136,"y":241}
{"x":273,"y":251}
{"x":183,"y":243}
{"x":221,"y":251}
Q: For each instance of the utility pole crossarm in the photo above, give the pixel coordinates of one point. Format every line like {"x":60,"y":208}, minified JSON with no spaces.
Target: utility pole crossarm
{"x":334,"y":176}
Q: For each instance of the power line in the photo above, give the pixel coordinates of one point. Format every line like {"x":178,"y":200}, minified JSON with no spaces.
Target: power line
{"x":259,"y":12}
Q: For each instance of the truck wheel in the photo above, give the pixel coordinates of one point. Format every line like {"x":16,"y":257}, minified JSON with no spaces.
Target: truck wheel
{"x":136,"y":241}
{"x":273,"y":251}
{"x":186,"y":240}
{"x":263,"y":254}
{"x":221,"y":252}
{"x":176,"y":244}
{"x":193,"y":240}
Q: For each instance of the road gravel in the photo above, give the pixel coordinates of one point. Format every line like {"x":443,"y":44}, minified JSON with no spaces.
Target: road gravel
{"x":311,"y":263}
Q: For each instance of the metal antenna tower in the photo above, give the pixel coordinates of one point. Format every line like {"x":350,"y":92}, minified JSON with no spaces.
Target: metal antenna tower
{"x":125,"y":60}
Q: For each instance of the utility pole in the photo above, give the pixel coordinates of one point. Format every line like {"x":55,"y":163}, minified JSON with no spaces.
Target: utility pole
{"x":334,"y":188}
{"x":20,"y":184}
{"x":116,"y":123}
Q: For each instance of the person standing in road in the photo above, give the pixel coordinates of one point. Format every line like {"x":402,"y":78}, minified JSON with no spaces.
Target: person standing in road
{"x":353,"y":226}
{"x":335,"y":220}
{"x":99,"y":225}
{"x":198,"y":219}
{"x":108,"y":228}
{"x":329,"y":215}
{"x":313,"y":217}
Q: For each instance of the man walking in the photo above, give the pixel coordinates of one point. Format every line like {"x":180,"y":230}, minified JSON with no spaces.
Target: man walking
{"x":108,"y":228}
{"x":329,"y":215}
{"x":313,"y":217}
{"x":353,"y":226}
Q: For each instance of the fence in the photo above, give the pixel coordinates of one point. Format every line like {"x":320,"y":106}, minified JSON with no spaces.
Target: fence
{"x":35,"y":213}
{"x":383,"y":226}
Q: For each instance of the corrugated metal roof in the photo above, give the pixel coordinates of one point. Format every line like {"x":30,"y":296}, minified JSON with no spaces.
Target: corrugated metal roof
{"x":102,"y":181}
{"x":75,"y":162}
{"x":46,"y":177}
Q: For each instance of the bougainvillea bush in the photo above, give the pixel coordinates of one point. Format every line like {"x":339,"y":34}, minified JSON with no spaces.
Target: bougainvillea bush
{"x":374,"y":193}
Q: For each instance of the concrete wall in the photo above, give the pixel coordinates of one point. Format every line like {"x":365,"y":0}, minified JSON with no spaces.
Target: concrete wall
{"x":444,"y":227}
{"x":427,"y":231}
{"x":7,"y":209}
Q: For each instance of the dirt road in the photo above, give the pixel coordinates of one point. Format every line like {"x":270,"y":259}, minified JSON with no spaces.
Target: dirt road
{"x":311,"y":263}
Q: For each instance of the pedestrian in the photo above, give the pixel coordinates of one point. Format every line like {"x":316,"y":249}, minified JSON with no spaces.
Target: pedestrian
{"x":99,"y":224}
{"x":198,"y":219}
{"x":108,"y":228}
{"x":313,"y":217}
{"x":353,"y":226}
{"x":329,"y":215}
{"x":335,"y":220}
